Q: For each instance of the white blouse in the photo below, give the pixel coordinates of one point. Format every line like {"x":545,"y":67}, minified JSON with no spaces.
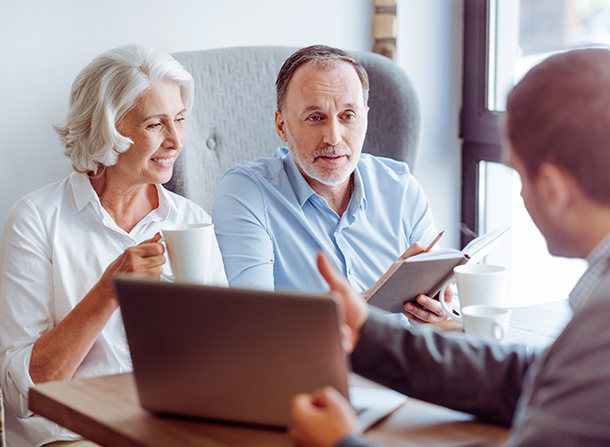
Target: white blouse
{"x":56,"y":244}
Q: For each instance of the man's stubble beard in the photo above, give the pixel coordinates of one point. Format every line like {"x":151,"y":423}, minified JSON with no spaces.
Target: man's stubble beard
{"x":327,"y":175}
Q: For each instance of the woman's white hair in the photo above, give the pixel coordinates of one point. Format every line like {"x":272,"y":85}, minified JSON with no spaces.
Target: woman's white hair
{"x":102,"y":94}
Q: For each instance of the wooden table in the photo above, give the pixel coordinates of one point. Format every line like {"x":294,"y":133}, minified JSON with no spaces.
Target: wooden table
{"x":107,"y":411}
{"x":537,"y":325}
{"x":540,"y":324}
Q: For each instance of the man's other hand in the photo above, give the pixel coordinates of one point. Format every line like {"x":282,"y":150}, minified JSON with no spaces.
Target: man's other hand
{"x":321,"y":419}
{"x":432,"y":311}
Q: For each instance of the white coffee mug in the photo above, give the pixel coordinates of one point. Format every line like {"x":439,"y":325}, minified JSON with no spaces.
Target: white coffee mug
{"x":486,"y":321}
{"x":189,"y":247}
{"x":477,"y":284}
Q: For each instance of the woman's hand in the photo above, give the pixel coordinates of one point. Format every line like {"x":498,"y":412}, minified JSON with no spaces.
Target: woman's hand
{"x":58,"y":353}
{"x":141,"y":261}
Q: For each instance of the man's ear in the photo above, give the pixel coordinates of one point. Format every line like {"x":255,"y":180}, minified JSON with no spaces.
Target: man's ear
{"x":557,"y":189}
{"x":280,"y":126}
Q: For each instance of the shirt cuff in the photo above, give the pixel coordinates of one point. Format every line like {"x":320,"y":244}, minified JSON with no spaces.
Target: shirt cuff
{"x":354,"y":441}
{"x":17,"y":381}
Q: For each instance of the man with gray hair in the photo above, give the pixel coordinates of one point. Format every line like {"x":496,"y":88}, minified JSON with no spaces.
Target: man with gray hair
{"x":557,"y":129}
{"x":273,"y":215}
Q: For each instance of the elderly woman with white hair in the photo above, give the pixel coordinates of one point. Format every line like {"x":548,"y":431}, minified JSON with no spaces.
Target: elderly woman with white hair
{"x":63,"y":244}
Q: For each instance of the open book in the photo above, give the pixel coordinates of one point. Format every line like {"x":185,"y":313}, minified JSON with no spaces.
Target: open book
{"x":427,"y":272}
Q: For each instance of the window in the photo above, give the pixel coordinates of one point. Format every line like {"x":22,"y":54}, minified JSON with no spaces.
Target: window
{"x":503,"y":39}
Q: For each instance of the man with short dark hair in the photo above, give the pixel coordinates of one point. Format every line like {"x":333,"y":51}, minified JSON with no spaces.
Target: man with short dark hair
{"x":558,"y":129}
{"x":273,"y":215}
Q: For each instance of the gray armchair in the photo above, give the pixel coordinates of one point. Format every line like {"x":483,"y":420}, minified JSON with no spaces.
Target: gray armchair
{"x":233,"y":117}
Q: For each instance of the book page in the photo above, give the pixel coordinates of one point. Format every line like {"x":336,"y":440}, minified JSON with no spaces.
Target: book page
{"x":444,"y":253}
{"x":479,"y":247}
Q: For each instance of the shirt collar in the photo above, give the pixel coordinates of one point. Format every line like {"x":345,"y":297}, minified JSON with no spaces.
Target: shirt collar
{"x":601,"y":252}
{"x":303,"y":190}
{"x":82,"y":189}
{"x":359,"y":195}
{"x":599,"y":262}
{"x":166,"y":203}
{"x":84,"y":193}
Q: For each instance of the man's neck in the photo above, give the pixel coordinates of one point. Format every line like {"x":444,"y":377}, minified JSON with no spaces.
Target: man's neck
{"x":597,"y":230}
{"x":337,"y":197}
{"x":588,"y":228}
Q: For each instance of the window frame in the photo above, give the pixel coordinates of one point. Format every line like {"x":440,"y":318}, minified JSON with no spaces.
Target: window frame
{"x":479,"y":126}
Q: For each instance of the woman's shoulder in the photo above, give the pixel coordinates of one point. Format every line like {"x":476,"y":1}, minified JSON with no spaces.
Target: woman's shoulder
{"x":33,"y":213}
{"x":49,"y":196}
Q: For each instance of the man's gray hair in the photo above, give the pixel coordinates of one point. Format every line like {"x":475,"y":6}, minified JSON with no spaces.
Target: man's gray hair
{"x":323,"y":57}
{"x":102,"y":94}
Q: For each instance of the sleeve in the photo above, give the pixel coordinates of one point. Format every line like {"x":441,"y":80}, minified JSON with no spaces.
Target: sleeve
{"x":219,"y":277}
{"x":354,"y":441}
{"x":449,"y":369}
{"x":26,"y":295}
{"x":417,"y":215}
{"x":570,"y":394}
{"x":240,"y":222}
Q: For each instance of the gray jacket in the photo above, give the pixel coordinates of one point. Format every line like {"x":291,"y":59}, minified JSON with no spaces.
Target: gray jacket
{"x":560,"y":396}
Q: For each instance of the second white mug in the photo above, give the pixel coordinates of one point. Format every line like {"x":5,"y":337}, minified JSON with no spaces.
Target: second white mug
{"x":486,"y":321}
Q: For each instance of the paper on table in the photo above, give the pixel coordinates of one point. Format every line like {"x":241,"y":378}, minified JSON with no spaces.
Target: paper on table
{"x":373,"y":403}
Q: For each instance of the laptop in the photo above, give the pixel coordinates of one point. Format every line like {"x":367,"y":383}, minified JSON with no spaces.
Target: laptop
{"x":236,"y":355}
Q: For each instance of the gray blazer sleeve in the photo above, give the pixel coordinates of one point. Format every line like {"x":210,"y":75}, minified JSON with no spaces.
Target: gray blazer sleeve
{"x":448,"y":369}
{"x":569,"y":402}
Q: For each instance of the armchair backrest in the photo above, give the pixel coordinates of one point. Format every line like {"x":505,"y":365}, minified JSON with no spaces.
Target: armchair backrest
{"x":233,"y":116}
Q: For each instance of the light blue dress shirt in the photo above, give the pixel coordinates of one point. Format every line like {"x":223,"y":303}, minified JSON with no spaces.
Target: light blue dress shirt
{"x":270,"y":224}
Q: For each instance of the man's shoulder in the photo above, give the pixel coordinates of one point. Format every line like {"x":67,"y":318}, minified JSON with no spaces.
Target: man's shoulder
{"x":375,"y":165}
{"x":263,"y":168}
{"x":254,"y":183}
{"x":381,"y":173}
{"x":572,"y":384}
{"x":586,"y":331}
{"x":601,"y":293}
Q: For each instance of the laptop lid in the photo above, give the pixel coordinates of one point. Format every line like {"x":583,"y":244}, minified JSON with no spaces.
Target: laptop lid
{"x":226,"y":353}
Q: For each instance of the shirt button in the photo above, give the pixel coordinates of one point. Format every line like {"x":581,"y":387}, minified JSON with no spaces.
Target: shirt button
{"x":351,"y":271}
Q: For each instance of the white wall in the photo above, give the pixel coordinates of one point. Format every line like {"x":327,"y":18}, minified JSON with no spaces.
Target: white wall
{"x":43,"y":45}
{"x":430,"y":48}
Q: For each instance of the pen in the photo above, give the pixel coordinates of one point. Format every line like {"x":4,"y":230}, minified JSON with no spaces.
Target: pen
{"x":429,"y":247}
